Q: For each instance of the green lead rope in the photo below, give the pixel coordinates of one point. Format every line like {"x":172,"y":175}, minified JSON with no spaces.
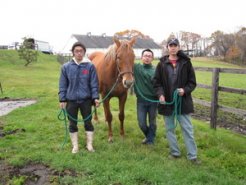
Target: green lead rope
{"x":63,"y":114}
{"x":177,"y":100}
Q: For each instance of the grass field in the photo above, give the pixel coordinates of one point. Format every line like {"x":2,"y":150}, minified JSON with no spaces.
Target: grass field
{"x":125,"y":161}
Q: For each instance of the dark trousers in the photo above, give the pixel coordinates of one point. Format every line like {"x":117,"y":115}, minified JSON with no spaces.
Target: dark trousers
{"x":146,"y":113}
{"x":85,"y":110}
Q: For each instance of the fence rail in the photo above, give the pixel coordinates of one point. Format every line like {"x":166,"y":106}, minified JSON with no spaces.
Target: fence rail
{"x":215,"y":88}
{"x":224,"y":89}
{"x":222,"y":70}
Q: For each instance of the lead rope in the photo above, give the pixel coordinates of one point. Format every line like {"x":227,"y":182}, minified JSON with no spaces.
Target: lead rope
{"x":63,"y":114}
{"x":177,"y":100}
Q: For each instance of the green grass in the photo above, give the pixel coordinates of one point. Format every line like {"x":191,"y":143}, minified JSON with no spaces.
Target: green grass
{"x":205,"y":62}
{"x":125,"y":161}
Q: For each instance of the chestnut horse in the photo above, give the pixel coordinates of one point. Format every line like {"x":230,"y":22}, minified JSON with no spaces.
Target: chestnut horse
{"x":115,"y":74}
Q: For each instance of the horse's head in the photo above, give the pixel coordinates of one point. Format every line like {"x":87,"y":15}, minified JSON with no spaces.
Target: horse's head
{"x":125,"y":60}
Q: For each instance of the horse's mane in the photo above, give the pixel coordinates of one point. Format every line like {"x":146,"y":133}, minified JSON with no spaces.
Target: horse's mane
{"x":111,"y":52}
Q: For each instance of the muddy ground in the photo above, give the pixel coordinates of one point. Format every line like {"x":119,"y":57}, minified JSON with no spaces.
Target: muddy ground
{"x":32,"y":174}
{"x":227,"y":120}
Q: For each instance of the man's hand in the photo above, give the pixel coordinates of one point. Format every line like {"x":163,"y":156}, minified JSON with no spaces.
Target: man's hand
{"x":97,"y":103}
{"x":181,"y":91}
{"x":162,"y":99}
{"x":63,"y":105}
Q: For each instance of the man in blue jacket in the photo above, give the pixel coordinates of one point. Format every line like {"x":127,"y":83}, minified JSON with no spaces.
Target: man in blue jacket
{"x":78,"y":90}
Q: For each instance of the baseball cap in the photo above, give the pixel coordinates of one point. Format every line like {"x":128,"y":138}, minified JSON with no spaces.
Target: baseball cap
{"x":173,"y":41}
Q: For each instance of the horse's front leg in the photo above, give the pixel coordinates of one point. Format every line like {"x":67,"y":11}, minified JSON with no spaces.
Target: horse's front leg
{"x":122,"y":101}
{"x":108,"y":116}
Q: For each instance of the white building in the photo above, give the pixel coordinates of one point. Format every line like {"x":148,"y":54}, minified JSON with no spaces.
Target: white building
{"x":102,"y":42}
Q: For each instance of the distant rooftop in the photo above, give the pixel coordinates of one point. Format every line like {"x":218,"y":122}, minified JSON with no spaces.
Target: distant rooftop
{"x":103,"y":41}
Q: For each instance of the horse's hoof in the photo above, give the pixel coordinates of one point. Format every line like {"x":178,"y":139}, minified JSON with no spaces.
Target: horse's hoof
{"x":110,"y":140}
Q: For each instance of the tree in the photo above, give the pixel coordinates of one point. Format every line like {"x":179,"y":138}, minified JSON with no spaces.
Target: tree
{"x":27,"y":52}
{"x":233,"y":54}
{"x":190,"y":40}
{"x":185,"y":37}
{"x":222,"y":42}
{"x":131,"y":33}
{"x":241,"y":43}
{"x":195,"y":38}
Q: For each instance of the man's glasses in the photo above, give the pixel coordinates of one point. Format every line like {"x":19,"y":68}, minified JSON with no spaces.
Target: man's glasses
{"x":149,"y":56}
{"x":79,"y":51}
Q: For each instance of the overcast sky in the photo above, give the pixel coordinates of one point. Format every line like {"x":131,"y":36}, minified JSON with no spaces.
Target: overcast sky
{"x":55,"y":21}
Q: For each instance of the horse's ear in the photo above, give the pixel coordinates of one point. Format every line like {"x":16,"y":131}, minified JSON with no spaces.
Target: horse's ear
{"x":116,"y":40}
{"x":133,"y":40}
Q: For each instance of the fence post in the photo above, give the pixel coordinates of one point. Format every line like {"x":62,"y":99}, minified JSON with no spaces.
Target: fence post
{"x":1,"y":88}
{"x":214,"y":100}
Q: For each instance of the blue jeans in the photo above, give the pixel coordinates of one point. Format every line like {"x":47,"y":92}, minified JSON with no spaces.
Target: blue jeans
{"x":147,"y":109}
{"x":187,"y":130}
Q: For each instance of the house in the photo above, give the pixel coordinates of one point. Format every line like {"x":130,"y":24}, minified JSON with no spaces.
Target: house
{"x":102,"y":42}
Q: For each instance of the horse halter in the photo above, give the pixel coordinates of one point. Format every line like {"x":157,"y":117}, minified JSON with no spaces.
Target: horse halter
{"x":121,"y":73}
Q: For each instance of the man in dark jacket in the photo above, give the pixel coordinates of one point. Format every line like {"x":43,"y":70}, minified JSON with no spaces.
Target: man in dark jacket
{"x":78,"y":90}
{"x":175,"y":72}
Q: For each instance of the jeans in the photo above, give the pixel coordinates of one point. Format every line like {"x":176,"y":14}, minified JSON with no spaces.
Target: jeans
{"x":147,"y":109}
{"x":187,"y":130}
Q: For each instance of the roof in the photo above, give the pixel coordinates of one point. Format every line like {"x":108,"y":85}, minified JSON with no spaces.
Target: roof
{"x":103,"y":41}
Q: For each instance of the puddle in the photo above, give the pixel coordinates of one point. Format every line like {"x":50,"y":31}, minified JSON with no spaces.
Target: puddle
{"x":8,"y":105}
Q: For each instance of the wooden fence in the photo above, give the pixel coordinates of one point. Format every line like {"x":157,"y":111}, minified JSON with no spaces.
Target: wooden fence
{"x":215,"y":88}
{"x":1,"y":89}
{"x":64,"y":57}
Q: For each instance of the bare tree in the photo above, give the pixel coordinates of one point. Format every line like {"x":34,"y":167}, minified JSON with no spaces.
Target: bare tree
{"x":190,"y":40}
{"x":195,"y":38}
{"x":241,"y":43}
{"x":222,"y":42}
{"x":185,"y":38}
